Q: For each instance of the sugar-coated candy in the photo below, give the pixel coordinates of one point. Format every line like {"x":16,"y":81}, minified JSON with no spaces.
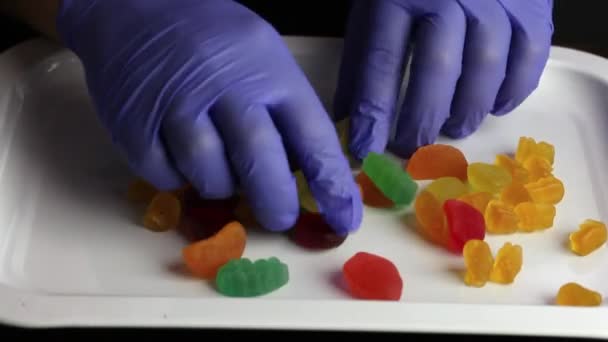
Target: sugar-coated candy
{"x":488,"y":177}
{"x":500,"y":218}
{"x":373,"y":277}
{"x":546,"y":190}
{"x":430,"y":218}
{"x":479,"y":200}
{"x":464,"y":223}
{"x":514,"y":193}
{"x":590,"y":236}
{"x":388,"y":175}
{"x":163,"y":212}
{"x":203,"y":258}
{"x":371,"y":195}
{"x":436,"y":161}
{"x":245,"y":278}
{"x":538,"y":168}
{"x":445,"y":188}
{"x":534,"y":216}
{"x":307,"y":200}
{"x":575,"y":294}
{"x":478,"y":262}
{"x":528,"y":147}
{"x":518,"y":173}
{"x":507,"y":264}
{"x":311,"y":231}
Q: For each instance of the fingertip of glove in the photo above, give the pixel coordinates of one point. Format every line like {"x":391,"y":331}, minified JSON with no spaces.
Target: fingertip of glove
{"x":343,"y":213}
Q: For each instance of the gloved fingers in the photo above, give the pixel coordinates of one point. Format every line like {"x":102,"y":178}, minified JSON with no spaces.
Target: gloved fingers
{"x":372,"y":79}
{"x":530,"y":45}
{"x":485,"y":54}
{"x":435,"y":69}
{"x":311,"y":135}
{"x":198,"y":151}
{"x":259,"y":160}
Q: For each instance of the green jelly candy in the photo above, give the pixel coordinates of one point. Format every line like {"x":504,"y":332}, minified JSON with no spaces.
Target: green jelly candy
{"x":394,"y":182}
{"x":244,"y":278}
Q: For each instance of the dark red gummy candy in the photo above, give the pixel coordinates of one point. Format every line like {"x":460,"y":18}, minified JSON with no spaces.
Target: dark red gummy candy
{"x":370,"y":276}
{"x":464,"y":223}
{"x":312,"y":232}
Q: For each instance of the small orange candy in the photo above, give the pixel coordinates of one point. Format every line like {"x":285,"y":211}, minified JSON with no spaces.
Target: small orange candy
{"x":372,"y":196}
{"x":518,"y":172}
{"x":507,"y":264}
{"x":549,"y":190}
{"x":500,"y":218}
{"x":478,"y":200}
{"x":534,"y":216}
{"x":205,"y":257}
{"x":430,"y":217}
{"x":514,"y":193}
{"x":437,"y":160}
{"x":163,"y":212}
{"x":538,"y":168}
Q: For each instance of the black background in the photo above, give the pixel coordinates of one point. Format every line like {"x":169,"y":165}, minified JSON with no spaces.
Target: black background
{"x":579,"y":24}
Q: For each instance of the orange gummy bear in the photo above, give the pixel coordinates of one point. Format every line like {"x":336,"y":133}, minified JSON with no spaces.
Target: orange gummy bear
{"x":518,"y":173}
{"x":508,"y":264}
{"x":534,"y":216}
{"x":528,"y":147}
{"x":163,"y":212}
{"x":478,"y":200}
{"x":478,"y":263}
{"x":500,"y":218}
{"x":205,"y":257}
{"x":371,"y":195}
{"x":514,"y":193}
{"x":548,"y":190}
{"x":538,"y":168}
{"x":430,"y":217}
{"x":590,"y":236}
{"x":574,"y":294}
{"x":436,"y":161}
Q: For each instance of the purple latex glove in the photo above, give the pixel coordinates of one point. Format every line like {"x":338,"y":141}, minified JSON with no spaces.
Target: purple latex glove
{"x":206,"y":92}
{"x":469,"y":58}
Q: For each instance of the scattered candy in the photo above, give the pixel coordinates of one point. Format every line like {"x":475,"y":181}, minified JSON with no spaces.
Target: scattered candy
{"x":478,"y":262}
{"x":436,"y":161}
{"x":507,"y":264}
{"x":370,"y":276}
{"x":445,"y":188}
{"x":527,"y":147}
{"x":514,"y":193}
{"x":500,"y":218}
{"x":312,"y":232}
{"x":488,"y":177}
{"x":534,"y":216}
{"x":546,"y":190}
{"x":371,"y":195}
{"x":574,"y":294}
{"x":590,"y":236}
{"x":394,"y":182}
{"x":538,"y":168}
{"x":163,"y":212}
{"x":518,"y":173}
{"x":478,"y":200}
{"x":430,"y":218}
{"x":244,"y":278}
{"x":464,"y":223}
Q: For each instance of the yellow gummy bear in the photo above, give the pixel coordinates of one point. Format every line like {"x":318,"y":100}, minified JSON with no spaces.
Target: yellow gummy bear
{"x":500,"y":218}
{"x":534,"y":216}
{"x":478,"y":262}
{"x":518,"y":173}
{"x":590,"y":236}
{"x":574,"y":294}
{"x":528,"y":147}
{"x":508,"y":264}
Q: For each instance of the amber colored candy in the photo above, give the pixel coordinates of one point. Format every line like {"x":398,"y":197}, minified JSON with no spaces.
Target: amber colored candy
{"x":548,"y":190}
{"x":500,"y":218}
{"x":538,"y":168}
{"x":371,"y":195}
{"x":244,"y":214}
{"x":478,"y":262}
{"x":307,"y":200}
{"x":514,"y":193}
{"x":518,"y":173}
{"x":574,"y":294}
{"x":446,"y":188}
{"x":436,"y":161}
{"x":528,"y":147}
{"x":534,"y":216}
{"x":311,"y":231}
{"x":203,"y":258}
{"x":140,"y":191}
{"x":507,"y":264}
{"x":488,"y":177}
{"x":163,"y":212}
{"x":478,"y":200}
{"x":590,"y":236}
{"x":430,"y":218}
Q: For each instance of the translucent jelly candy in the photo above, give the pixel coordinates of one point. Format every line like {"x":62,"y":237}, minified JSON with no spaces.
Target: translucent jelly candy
{"x":445,"y":188}
{"x":479,"y":200}
{"x":528,"y":147}
{"x":140,"y":191}
{"x":574,"y":294}
{"x":518,"y":173}
{"x":370,"y":276}
{"x":436,"y":161}
{"x":371,"y":195}
{"x":590,"y":236}
{"x":163,"y":212}
{"x":464,"y":223}
{"x":500,"y":218}
{"x":204,"y":258}
{"x":394,"y":182}
{"x":307,"y":201}
{"x":514,"y":193}
{"x":312,"y":232}
{"x":478,"y":262}
{"x":244,"y":278}
{"x":507,"y":264}
{"x":487,"y":177}
{"x":534,"y":216}
{"x":546,"y":190}
{"x":430,"y":217}
{"x":538,"y":167}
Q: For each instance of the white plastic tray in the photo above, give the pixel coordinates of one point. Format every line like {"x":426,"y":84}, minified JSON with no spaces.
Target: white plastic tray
{"x":71,"y":253}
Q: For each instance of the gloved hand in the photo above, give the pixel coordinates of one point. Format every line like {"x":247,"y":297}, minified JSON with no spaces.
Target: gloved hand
{"x":469,"y":58}
{"x":206,"y":92}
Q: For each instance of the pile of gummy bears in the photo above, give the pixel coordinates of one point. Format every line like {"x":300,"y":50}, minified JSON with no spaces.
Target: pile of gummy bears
{"x":464,"y":202}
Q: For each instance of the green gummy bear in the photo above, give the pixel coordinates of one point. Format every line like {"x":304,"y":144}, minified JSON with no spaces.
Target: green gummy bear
{"x":244,"y":278}
{"x":390,"y":178}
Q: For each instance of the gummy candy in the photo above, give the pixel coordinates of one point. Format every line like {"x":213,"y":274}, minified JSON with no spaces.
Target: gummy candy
{"x":312,"y":231}
{"x":244,"y":214}
{"x":590,"y":236}
{"x":163,"y":212}
{"x":574,"y":294}
{"x":430,"y":217}
{"x":487,"y":177}
{"x":478,"y":263}
{"x":538,"y":167}
{"x":203,"y":258}
{"x":514,"y":193}
{"x":307,"y":201}
{"x":534,"y":216}
{"x":140,"y":191}
{"x":479,"y":200}
{"x":394,"y":182}
{"x":464,"y":223}
{"x":518,"y":173}
{"x":527,"y":147}
{"x":436,"y":161}
{"x":244,"y":278}
{"x":370,"y":194}
{"x":507,"y":264}
{"x":500,"y":218}
{"x":445,"y":188}
{"x":370,"y":276}
{"x":548,"y":190}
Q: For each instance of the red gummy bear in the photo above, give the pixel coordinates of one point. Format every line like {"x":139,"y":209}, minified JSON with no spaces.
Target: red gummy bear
{"x":370,"y":276}
{"x":464,"y":223}
{"x":312,"y":232}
